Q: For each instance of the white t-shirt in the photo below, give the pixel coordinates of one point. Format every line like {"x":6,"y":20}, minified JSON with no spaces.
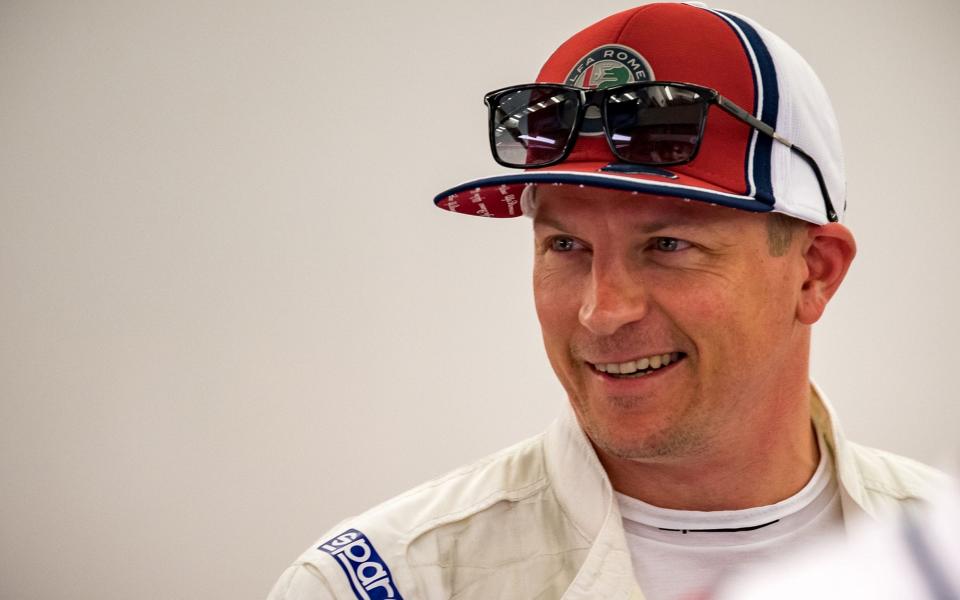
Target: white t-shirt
{"x":682,"y":554}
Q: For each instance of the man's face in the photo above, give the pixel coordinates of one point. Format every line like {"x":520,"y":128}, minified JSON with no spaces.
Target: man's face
{"x":668,"y":322}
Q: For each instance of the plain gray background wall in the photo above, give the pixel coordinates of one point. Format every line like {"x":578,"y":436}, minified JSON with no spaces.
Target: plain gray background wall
{"x":230,"y":315}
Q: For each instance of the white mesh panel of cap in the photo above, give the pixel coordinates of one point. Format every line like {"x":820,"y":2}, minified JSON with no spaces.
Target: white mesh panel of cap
{"x":805,"y":116}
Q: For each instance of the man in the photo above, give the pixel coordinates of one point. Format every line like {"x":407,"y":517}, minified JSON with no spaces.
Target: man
{"x":680,"y":263}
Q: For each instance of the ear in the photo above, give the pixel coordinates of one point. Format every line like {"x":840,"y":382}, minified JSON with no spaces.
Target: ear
{"x":828,"y":251}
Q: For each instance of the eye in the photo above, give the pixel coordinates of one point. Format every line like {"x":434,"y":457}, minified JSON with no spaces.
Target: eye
{"x":669,"y":244}
{"x":563,"y":243}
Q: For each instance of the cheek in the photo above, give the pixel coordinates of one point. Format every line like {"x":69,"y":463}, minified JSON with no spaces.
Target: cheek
{"x":555,"y":287}
{"x":699,"y":300}
{"x":713,"y":313}
{"x":552,"y":301}
{"x":739,"y":324}
{"x":557,"y":299}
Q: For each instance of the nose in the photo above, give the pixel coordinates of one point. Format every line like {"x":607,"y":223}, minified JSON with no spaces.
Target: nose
{"x":615,"y":297}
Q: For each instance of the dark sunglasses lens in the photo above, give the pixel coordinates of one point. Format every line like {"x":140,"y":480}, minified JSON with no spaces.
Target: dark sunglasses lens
{"x":531,"y":126}
{"x":658,"y":124}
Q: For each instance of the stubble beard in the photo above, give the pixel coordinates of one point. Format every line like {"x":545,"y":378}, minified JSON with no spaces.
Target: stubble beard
{"x":684,"y":437}
{"x":676,"y":440}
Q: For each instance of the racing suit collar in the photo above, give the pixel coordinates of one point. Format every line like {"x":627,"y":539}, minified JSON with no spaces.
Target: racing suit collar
{"x":856,"y":505}
{"x":586,"y":497}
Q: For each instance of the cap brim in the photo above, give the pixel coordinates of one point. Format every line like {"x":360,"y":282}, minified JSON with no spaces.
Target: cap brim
{"x":498,"y":196}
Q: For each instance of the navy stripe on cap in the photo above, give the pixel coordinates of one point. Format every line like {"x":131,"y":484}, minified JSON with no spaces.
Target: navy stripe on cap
{"x":763,"y":149}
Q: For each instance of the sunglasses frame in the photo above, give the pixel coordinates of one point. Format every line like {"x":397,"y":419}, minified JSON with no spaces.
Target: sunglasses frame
{"x":598,"y":97}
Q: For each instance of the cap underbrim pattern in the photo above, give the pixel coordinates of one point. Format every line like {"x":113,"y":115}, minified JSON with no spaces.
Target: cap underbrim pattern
{"x":498,"y":196}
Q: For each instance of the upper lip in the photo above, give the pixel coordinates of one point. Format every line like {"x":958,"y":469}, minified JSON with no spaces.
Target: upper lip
{"x":634,"y":357}
{"x":654,"y":361}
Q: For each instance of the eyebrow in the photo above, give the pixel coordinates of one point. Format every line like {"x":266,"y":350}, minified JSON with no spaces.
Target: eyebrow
{"x":659,"y":225}
{"x":646,"y":228}
{"x":538,"y":220}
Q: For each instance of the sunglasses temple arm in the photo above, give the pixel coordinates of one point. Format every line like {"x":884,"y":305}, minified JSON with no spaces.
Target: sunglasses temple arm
{"x":756,"y":123}
{"x":749,"y":119}
{"x":831,"y":212}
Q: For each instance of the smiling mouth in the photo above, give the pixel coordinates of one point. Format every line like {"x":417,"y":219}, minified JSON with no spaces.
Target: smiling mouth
{"x":640,"y":367}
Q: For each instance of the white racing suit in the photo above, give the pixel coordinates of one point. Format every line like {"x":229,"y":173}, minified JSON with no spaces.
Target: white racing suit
{"x":537,"y":520}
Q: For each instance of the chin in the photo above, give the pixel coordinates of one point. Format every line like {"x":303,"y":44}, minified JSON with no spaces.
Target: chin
{"x":642,"y":441}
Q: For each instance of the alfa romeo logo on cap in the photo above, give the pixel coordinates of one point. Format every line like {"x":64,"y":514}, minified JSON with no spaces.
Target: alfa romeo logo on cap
{"x":604,"y":67}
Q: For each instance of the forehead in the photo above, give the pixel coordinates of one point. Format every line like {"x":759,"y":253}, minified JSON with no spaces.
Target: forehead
{"x":574,"y":206}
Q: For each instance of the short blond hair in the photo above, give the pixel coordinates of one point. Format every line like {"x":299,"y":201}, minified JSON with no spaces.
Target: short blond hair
{"x":781,"y":229}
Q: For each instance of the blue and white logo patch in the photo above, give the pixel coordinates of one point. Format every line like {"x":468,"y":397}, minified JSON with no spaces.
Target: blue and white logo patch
{"x":369,"y":576}
{"x":604,"y":67}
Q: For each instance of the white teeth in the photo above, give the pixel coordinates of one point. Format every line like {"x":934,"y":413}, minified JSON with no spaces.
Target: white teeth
{"x":630,"y":367}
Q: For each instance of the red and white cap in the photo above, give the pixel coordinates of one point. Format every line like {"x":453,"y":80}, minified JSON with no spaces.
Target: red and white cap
{"x":736,"y":165}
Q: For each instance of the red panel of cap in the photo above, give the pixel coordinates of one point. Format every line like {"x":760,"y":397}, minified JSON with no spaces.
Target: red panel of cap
{"x":680,"y":43}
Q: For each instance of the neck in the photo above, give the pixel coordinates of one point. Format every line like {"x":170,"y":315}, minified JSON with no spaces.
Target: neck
{"x":758,"y":464}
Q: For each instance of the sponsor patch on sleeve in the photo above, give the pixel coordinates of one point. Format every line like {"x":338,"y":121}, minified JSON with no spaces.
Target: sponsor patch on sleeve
{"x":368,"y":574}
